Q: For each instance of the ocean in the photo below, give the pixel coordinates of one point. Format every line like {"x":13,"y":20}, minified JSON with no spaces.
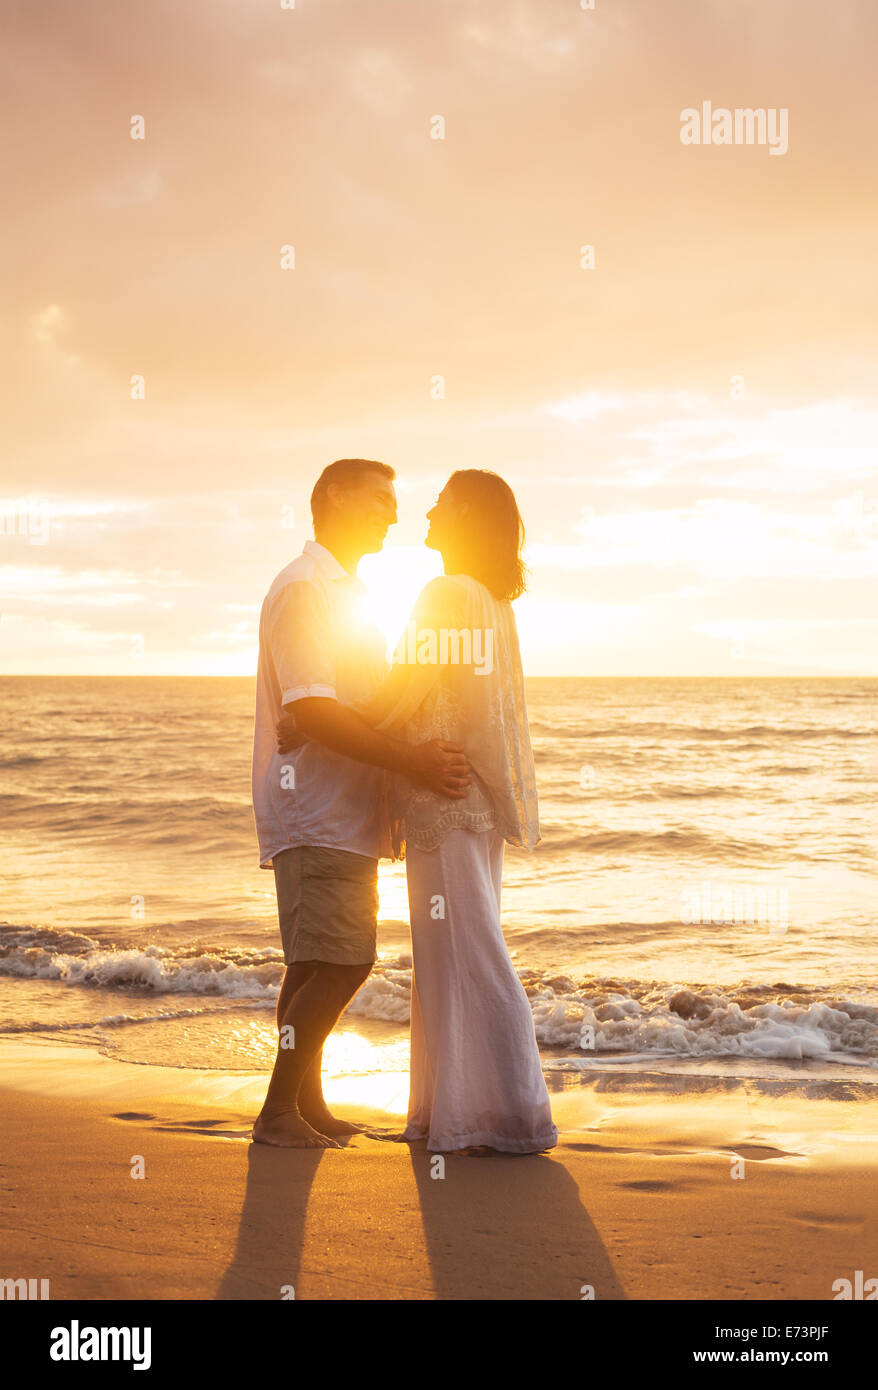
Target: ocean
{"x":703,"y":899}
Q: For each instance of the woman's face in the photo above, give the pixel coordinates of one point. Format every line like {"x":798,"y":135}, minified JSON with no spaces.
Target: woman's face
{"x":442,"y":517}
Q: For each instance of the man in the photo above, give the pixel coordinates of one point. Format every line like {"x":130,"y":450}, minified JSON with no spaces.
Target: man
{"x":321,"y":810}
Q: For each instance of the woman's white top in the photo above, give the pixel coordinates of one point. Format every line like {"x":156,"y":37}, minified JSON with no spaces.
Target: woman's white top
{"x":457,"y":675}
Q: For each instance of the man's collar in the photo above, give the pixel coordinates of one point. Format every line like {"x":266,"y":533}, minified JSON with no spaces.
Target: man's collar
{"x":327,"y":561}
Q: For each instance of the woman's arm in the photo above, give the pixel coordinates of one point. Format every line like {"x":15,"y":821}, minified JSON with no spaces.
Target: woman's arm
{"x":415,"y":667}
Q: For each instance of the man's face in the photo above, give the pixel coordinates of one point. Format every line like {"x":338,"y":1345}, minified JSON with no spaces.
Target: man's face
{"x":369,"y":510}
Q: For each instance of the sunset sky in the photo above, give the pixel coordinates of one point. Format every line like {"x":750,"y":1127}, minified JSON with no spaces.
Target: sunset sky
{"x":691,"y":427}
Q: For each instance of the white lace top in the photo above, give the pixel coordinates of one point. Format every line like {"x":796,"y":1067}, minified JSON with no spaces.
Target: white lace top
{"x":478,"y":703}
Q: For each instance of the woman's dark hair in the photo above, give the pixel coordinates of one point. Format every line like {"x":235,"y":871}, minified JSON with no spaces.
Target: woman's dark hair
{"x":491,"y":531}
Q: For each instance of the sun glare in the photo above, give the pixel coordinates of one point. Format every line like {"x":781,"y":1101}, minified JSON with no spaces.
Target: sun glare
{"x":394,"y":578}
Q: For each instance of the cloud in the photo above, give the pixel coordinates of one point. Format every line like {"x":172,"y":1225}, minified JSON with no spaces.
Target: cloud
{"x":134,"y":189}
{"x":605,"y":389}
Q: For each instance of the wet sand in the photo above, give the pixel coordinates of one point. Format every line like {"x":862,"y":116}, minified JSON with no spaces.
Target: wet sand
{"x":658,"y":1189}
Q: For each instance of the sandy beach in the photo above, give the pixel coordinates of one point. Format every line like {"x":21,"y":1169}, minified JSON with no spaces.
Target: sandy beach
{"x":638,"y":1201}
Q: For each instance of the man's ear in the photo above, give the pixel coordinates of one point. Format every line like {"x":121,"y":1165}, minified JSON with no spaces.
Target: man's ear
{"x":336,"y":494}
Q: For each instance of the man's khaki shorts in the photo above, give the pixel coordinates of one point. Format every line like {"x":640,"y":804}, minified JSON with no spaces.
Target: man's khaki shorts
{"x":327,"y":905}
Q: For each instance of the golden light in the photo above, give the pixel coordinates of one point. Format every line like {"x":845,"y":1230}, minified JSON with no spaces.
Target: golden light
{"x":394,"y":579}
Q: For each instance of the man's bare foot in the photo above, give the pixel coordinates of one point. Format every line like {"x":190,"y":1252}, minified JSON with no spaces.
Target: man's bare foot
{"x":286,"y":1129}
{"x":325,"y":1122}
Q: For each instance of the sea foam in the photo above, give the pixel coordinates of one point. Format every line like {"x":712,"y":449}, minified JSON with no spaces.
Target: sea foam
{"x":589,"y":1017}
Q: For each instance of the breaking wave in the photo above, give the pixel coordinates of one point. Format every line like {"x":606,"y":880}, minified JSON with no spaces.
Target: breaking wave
{"x":589,"y":1017}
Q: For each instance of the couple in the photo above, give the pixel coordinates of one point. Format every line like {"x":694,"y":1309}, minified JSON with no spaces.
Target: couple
{"x":432,"y":757}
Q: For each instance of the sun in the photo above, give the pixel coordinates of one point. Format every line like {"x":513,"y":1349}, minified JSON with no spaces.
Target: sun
{"x":394,"y":578}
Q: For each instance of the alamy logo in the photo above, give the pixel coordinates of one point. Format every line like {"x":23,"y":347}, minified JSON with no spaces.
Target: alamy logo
{"x":856,"y":1288}
{"x":727,"y":905}
{"x":24,"y":1288}
{"x":743,"y":126}
{"x":28,"y":517}
{"x":447,"y":646}
{"x":75,"y":1343}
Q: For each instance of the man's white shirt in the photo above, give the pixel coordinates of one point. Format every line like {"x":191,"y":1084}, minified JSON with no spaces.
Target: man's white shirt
{"x":315,"y":640}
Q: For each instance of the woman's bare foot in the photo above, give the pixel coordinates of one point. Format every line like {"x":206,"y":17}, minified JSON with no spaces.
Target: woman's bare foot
{"x":325,"y":1122}
{"x":286,"y":1129}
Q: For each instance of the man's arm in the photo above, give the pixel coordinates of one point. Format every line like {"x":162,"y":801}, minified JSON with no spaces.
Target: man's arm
{"x":438,"y":765}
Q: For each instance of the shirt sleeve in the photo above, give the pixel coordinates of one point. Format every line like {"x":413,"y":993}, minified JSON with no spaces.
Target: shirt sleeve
{"x":300,"y":636}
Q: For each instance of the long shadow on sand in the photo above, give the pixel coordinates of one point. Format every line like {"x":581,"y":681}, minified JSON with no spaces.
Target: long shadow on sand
{"x":509,"y":1228}
{"x":271,"y":1232}
{"x":494,"y":1228}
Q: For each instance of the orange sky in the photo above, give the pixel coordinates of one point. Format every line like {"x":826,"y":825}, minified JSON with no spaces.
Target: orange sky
{"x":678,"y":522}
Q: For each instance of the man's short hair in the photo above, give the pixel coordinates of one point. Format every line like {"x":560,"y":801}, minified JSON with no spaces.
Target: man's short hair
{"x":347,"y":473}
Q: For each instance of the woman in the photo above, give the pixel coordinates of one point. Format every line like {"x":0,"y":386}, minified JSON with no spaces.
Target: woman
{"x":476,"y":1079}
